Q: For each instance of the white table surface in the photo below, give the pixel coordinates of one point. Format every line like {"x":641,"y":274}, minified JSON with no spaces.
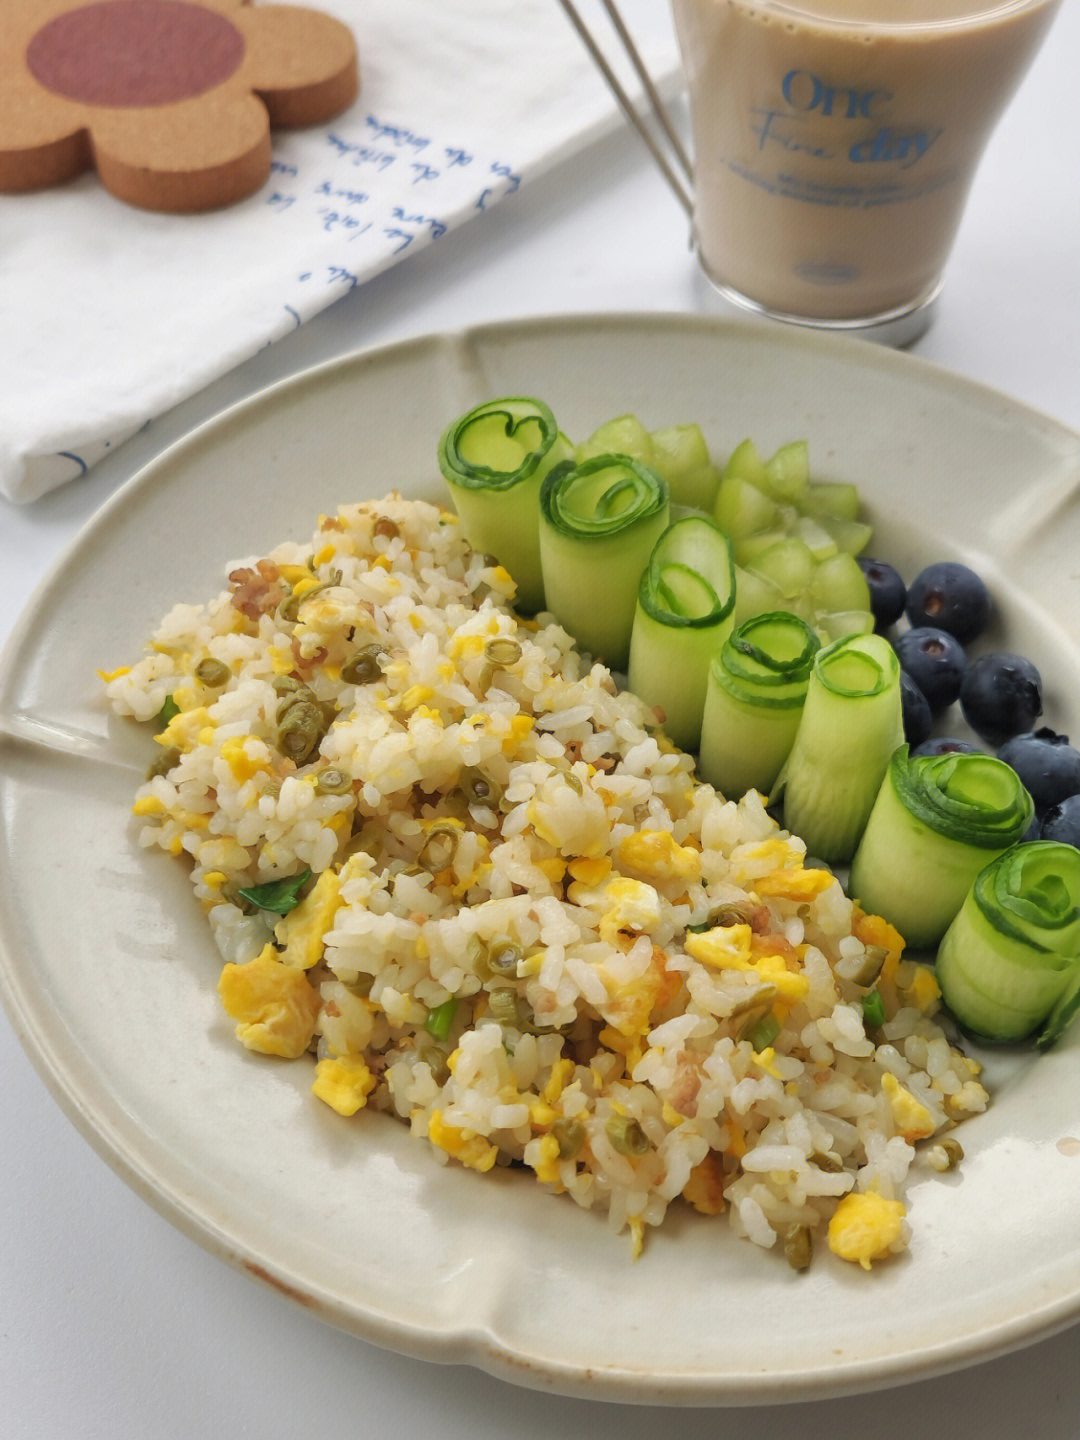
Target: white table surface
{"x":114,"y":1325}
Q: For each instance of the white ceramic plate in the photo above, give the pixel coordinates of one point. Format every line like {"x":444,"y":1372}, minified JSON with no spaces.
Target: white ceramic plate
{"x":108,"y":968}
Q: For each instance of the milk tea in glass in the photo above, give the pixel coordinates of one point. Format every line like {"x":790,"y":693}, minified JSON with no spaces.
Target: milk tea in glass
{"x":835,"y":142}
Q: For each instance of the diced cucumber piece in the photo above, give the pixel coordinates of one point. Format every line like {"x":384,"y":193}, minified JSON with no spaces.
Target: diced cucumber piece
{"x":788,"y":564}
{"x":754,"y":595}
{"x":786,"y":475}
{"x":625,"y":435}
{"x":746,"y":463}
{"x":741,"y":508}
{"x":815,"y":537}
{"x":1062,"y":1015}
{"x":836,"y":499}
{"x":851,"y":536}
{"x":751,"y":546}
{"x":835,"y":625}
{"x":839,"y":584}
{"x":681,"y":456}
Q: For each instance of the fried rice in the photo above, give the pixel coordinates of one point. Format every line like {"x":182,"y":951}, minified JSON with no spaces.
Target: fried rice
{"x":507,"y":912}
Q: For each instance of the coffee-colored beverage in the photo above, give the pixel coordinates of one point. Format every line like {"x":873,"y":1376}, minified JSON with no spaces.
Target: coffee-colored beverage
{"x":836,"y":140}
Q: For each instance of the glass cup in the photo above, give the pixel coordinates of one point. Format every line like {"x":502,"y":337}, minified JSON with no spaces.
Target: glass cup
{"x":835,"y":142}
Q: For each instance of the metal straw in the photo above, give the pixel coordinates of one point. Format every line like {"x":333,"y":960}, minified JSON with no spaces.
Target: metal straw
{"x":682,"y":194}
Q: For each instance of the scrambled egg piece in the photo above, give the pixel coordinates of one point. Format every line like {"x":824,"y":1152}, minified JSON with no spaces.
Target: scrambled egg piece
{"x":470,"y":1149}
{"x":274,"y":1004}
{"x":344,"y":1083}
{"x":240,"y":762}
{"x":865,"y":1227}
{"x":657,"y":855}
{"x":727,"y":947}
{"x":184,"y":731}
{"x":795,"y":883}
{"x":546,"y":1161}
{"x":924,"y":991}
{"x":302,"y":930}
{"x":913,"y":1119}
{"x":630,"y":905}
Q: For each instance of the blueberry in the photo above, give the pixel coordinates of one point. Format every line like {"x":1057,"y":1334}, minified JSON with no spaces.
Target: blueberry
{"x":887,"y":592}
{"x":935,"y":660}
{"x":950,"y":597}
{"x":1047,"y":764}
{"x":918,"y":720}
{"x":1062,"y":823}
{"x":1001,"y":696}
{"x":946,"y":745}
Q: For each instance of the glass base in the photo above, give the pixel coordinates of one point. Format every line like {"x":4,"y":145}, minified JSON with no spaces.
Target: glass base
{"x":898,"y":327}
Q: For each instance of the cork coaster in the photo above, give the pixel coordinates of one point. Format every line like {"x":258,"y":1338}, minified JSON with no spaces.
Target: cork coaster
{"x":171,"y":101}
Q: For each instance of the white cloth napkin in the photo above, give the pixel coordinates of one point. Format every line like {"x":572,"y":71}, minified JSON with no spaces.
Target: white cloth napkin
{"x":112,"y":315}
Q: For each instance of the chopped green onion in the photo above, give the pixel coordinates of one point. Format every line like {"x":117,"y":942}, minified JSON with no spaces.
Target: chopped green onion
{"x":850,"y":725}
{"x":440,"y":1018}
{"x":167,"y":711}
{"x":503,"y":1005}
{"x":570,"y":1135}
{"x":755,"y":691}
{"x":764,"y":1032}
{"x":733,"y":912}
{"x":684,"y":614}
{"x":873,"y":1010}
{"x":599,"y":522}
{"x":281,"y":896}
{"x":363,"y":668}
{"x":212,"y":672}
{"x":936,"y":822}
{"x":1010,"y":961}
{"x":332,"y":781}
{"x":626,"y":1135}
{"x":494,"y":459}
{"x":164,"y":761}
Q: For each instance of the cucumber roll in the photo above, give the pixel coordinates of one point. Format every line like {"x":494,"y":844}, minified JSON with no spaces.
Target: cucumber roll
{"x":754,"y":698}
{"x":1009,"y":964}
{"x":937,"y":821}
{"x":494,"y":460}
{"x":850,"y":726}
{"x":684,"y":614}
{"x":599,"y":522}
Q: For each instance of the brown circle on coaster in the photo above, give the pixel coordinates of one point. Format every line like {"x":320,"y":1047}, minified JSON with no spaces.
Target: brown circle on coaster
{"x":171,"y":101}
{"x":135,"y":52}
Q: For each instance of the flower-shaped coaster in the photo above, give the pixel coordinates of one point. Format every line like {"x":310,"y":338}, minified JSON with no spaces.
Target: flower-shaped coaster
{"x":171,"y":100}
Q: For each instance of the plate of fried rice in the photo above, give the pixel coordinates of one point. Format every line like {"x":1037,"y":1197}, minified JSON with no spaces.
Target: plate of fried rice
{"x":386,"y":944}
